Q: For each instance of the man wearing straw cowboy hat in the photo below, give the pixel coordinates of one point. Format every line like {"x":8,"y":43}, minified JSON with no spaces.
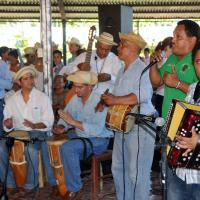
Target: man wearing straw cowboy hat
{"x":74,"y":46}
{"x":30,"y":55}
{"x":28,"y":110}
{"x":132,"y":152}
{"x":89,"y":125}
{"x":103,"y":62}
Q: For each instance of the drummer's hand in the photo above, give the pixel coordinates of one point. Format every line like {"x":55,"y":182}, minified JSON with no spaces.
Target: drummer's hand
{"x":66,"y":117}
{"x":109,"y":99}
{"x":188,"y":143}
{"x":8,"y":123}
{"x":58,"y":129}
{"x":28,"y":123}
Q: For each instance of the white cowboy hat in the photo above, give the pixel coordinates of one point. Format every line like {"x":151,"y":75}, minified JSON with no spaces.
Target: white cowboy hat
{"x":74,"y":41}
{"x":25,"y":70}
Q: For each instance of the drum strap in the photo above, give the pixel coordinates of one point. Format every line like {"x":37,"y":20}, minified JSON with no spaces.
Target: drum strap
{"x":86,"y":159}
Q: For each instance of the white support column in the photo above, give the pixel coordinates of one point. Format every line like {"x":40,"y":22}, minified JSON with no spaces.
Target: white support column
{"x":45,"y":10}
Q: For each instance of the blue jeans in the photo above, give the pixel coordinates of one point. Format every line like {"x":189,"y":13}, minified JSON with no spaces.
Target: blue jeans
{"x":177,"y":189}
{"x":1,"y":116}
{"x":31,"y":154}
{"x":72,"y":153}
{"x":133,"y":169}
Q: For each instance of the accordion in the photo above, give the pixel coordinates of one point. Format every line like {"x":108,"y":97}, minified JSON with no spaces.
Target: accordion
{"x":181,"y":118}
{"x":117,"y":118}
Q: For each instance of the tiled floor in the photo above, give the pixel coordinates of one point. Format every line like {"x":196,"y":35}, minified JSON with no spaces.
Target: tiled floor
{"x":107,"y":191}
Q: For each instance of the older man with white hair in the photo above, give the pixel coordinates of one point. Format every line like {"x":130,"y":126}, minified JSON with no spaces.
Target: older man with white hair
{"x":132,"y":152}
{"x":103,"y":62}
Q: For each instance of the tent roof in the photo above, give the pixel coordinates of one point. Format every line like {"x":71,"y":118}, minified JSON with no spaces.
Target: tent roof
{"x":88,"y":9}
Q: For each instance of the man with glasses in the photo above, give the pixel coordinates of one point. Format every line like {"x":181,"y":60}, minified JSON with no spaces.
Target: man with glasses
{"x":132,"y":152}
{"x":177,"y":74}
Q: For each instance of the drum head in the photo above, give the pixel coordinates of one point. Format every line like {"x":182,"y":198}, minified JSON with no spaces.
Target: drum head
{"x":19,"y":135}
{"x":57,"y":139}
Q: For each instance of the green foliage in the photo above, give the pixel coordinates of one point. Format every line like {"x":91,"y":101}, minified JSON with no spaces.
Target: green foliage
{"x":21,"y":42}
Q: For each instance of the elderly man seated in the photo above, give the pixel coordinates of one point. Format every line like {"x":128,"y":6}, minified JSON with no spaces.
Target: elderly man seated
{"x":80,"y":114}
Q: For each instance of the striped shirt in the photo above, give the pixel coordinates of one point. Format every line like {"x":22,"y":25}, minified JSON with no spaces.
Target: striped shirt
{"x":191,"y":176}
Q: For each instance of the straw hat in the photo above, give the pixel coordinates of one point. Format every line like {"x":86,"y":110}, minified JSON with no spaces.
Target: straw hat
{"x":83,"y":77}
{"x":37,"y":45}
{"x":106,"y":38}
{"x":40,"y":53}
{"x":134,"y":38}
{"x":74,"y":41}
{"x":29,"y":50}
{"x":25,"y":70}
{"x":54,"y":45}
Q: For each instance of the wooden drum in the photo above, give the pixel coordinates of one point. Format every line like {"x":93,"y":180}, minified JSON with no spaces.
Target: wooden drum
{"x":17,"y":157}
{"x":54,"y":143}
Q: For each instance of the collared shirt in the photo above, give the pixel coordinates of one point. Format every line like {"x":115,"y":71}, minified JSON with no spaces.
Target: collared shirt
{"x":57,"y":69}
{"x":110,"y":65}
{"x":191,"y":176}
{"x":129,"y":82}
{"x":185,"y":72}
{"x":5,"y":78}
{"x":93,"y":122}
{"x":37,"y":109}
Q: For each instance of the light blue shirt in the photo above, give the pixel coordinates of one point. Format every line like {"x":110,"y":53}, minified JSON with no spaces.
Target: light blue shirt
{"x":5,"y":78}
{"x":93,"y":123}
{"x":128,"y":82}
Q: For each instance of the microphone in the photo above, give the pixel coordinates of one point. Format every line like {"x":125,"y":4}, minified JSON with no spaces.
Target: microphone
{"x":95,"y":58}
{"x":153,"y":62}
{"x":159,"y":121}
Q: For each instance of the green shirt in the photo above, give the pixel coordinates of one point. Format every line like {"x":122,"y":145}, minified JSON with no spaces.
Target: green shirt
{"x":185,"y":72}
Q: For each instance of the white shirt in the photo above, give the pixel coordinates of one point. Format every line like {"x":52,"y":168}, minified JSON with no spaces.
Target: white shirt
{"x":191,"y":176}
{"x":110,"y":65}
{"x":37,"y":109}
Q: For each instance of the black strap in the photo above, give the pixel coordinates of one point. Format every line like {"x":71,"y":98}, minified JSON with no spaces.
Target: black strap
{"x":84,"y":140}
{"x":197,"y":93}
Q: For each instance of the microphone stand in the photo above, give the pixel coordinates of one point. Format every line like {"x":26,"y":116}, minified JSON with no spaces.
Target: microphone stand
{"x":164,"y":141}
{"x":9,"y":145}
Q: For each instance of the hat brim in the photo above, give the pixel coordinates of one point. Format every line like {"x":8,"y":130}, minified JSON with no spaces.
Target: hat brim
{"x":107,"y":42}
{"x":23,"y":71}
{"x":136,"y":41}
{"x":68,"y":42}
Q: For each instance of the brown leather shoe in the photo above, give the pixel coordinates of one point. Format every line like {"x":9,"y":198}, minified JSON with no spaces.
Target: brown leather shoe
{"x":73,"y":195}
